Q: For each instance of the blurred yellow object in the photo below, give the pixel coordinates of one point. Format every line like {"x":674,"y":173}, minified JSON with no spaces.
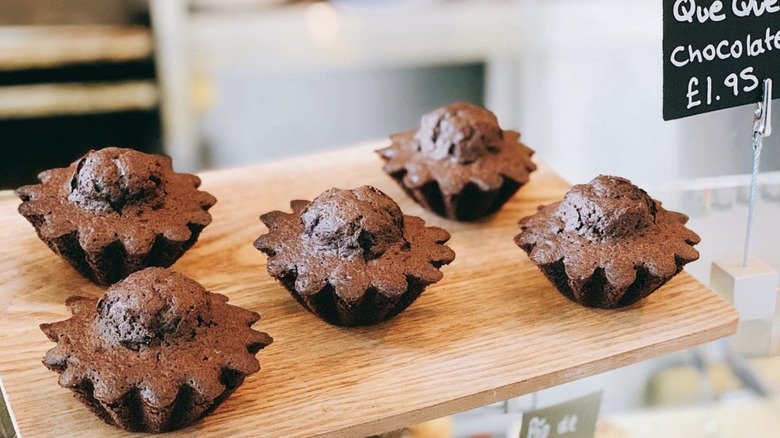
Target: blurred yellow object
{"x":683,"y":385}
{"x":608,"y":430}
{"x":752,"y":419}
{"x":439,"y":428}
{"x":322,"y":24}
{"x":202,"y":94}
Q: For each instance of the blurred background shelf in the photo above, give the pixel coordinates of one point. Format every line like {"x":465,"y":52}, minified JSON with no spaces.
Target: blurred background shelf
{"x":24,"y":101}
{"x":35,"y":47}
{"x":257,"y":80}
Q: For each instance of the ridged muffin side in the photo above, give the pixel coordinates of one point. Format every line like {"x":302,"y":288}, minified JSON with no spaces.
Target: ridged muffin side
{"x":116,"y":211}
{"x":156,"y":353}
{"x":608,"y":244}
{"x":351,"y":257}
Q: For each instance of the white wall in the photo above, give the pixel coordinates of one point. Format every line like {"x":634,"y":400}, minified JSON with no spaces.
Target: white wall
{"x":590,"y":99}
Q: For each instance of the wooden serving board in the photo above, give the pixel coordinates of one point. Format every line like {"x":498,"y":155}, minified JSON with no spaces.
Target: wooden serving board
{"x":493,"y":329}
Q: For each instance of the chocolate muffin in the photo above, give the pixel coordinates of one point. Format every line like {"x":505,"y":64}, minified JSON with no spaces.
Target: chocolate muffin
{"x":156,"y":353}
{"x":116,"y":211}
{"x":608,"y":244}
{"x":352,"y":257}
{"x":459,"y":164}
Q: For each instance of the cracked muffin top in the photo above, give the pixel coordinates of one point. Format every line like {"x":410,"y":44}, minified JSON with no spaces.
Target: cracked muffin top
{"x":352,"y":240}
{"x":609,"y":224}
{"x":456,"y":145}
{"x":117,"y":195}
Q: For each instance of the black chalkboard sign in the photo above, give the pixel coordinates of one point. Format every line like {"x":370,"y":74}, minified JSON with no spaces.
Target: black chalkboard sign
{"x":717,"y":53}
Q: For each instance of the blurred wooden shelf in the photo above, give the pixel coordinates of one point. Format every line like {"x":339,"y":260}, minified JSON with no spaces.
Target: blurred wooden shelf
{"x":494,"y":328}
{"x":33,"y":47}
{"x":42,"y":100}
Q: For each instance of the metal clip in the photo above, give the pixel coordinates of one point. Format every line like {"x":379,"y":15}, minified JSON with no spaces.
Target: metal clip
{"x":762,"y":121}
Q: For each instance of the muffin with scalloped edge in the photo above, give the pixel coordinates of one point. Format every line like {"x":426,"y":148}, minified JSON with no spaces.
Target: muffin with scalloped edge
{"x":459,"y":164}
{"x":156,"y":353}
{"x":115,"y":211}
{"x":608,"y":244}
{"x":352,"y":257}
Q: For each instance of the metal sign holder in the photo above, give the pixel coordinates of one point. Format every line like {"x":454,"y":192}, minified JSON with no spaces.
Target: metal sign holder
{"x":749,"y":284}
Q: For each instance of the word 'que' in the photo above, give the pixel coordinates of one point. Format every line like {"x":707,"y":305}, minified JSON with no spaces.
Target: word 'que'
{"x":688,"y":10}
